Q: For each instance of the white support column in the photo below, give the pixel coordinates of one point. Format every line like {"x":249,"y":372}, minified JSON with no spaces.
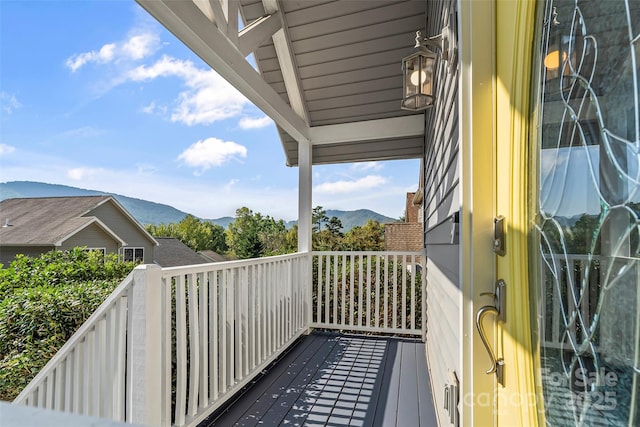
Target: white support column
{"x":305,"y":169}
{"x":304,"y":196}
{"x":144,"y":361}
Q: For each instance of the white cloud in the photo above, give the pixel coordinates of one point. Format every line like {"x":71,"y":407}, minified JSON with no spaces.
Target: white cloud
{"x":136,"y":47}
{"x":255,"y":122}
{"x":208,"y":97}
{"x":9,"y":102}
{"x":211,"y":152}
{"x":82,"y":132}
{"x":336,"y":187}
{"x":145,"y":169}
{"x":6,"y":149}
{"x":82,"y":173}
{"x":229,"y":186}
{"x":367,"y":166}
{"x":140,"y":46}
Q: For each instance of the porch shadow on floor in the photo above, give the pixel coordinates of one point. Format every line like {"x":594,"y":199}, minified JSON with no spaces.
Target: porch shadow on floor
{"x":339,"y":380}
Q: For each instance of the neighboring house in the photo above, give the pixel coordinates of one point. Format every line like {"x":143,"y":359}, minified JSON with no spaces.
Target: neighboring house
{"x":171,"y":252}
{"x":33,"y":226}
{"x":407,"y":235}
{"x":213,"y":256}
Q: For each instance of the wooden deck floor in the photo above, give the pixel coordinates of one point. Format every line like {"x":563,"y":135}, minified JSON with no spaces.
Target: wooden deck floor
{"x":340,"y":380}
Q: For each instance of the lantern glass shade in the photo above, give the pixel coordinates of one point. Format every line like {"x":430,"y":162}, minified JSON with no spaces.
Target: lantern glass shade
{"x":418,"y":80}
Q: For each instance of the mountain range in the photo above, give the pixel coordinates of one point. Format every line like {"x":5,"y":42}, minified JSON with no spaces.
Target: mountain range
{"x":147,"y":212}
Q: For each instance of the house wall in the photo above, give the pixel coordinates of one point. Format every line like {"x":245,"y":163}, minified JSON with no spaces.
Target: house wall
{"x":92,"y":236}
{"x":8,"y":253}
{"x":441,"y":205}
{"x":124,"y":227}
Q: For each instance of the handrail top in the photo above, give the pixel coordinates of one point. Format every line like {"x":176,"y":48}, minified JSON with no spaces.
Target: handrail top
{"x":368,"y":253}
{"x":214,"y":266}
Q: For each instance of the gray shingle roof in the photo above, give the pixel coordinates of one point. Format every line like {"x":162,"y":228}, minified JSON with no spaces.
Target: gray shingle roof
{"x":172,"y":253}
{"x":45,"y":220}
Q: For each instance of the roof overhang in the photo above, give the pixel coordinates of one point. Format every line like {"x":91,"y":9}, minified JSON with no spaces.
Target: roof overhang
{"x":84,"y":222}
{"x":328,"y":74}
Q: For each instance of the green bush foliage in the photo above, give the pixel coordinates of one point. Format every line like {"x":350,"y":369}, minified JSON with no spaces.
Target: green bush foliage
{"x":43,"y":301}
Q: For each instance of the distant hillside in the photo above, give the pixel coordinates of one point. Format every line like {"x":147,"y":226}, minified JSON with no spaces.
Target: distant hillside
{"x":156,"y":213}
{"x":144,"y":211}
{"x":359,"y":217}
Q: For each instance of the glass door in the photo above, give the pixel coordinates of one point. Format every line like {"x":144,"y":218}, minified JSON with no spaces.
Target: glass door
{"x":586,"y":263}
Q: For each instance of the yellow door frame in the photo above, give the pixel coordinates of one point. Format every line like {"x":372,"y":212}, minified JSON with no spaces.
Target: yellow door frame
{"x":477,"y":134}
{"x":496,"y":51}
{"x":515,"y":30}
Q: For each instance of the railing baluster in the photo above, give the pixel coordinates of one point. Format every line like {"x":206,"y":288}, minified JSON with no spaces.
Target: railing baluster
{"x":100,"y":400}
{"x":68,"y":382}
{"x":395,"y":294}
{"x":368,"y":292}
{"x":412,"y":295}
{"x":319,"y":295}
{"x":224,"y":325}
{"x":213,"y":330}
{"x":377,"y":288}
{"x":120,"y":329}
{"x":194,"y":345}
{"x":360,"y":266}
{"x":352,"y":285}
{"x":49,"y":393}
{"x":245,"y":321}
{"x":89,"y":379}
{"x":343,"y":282}
{"x":386,"y":291}
{"x":203,"y":288}
{"x":327,"y":291}
{"x":334,"y":289}
{"x":403,"y":306}
{"x":181,"y":351}
{"x":77,"y":379}
{"x":252,"y":317}
{"x":262,"y":324}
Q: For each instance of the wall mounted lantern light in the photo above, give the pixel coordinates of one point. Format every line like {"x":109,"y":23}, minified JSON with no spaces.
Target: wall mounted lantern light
{"x":419,"y":69}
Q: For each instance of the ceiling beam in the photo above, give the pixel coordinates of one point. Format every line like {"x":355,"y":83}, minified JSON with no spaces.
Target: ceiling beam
{"x":256,"y":33}
{"x":369,"y":130}
{"x":187,"y":22}
{"x":288,"y":67}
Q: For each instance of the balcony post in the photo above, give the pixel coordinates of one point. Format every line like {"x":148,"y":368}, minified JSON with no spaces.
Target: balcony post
{"x":305,"y":166}
{"x":144,"y":358}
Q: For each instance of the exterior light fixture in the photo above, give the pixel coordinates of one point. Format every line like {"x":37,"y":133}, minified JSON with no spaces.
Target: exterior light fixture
{"x":419,"y":70}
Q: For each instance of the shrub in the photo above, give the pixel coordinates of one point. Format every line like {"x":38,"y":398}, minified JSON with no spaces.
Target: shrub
{"x":43,"y":301}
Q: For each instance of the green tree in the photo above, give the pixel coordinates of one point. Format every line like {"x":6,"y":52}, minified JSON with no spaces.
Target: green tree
{"x":369,"y":237}
{"x":199,"y":235}
{"x":318,"y":217}
{"x":243,"y":234}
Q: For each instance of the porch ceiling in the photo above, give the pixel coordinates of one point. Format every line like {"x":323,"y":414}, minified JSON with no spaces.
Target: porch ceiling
{"x":328,"y":71}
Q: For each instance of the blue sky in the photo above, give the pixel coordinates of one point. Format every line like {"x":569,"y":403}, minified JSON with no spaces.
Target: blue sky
{"x":98,"y":95}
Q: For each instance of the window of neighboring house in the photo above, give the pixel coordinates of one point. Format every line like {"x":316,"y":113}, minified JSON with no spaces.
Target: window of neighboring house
{"x":133,"y":254}
{"x":101,"y":250}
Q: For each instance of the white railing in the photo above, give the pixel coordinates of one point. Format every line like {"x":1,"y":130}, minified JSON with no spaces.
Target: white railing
{"x":170,"y":346}
{"x":378,"y":292}
{"x":568,"y":296}
{"x":88,"y":375}
{"x":231,"y":320}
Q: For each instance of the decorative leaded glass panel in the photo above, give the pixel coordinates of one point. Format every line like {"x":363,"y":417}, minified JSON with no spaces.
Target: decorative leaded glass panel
{"x":588,"y":219}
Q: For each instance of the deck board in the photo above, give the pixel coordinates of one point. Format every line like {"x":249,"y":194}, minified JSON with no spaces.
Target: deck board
{"x":339,"y":380}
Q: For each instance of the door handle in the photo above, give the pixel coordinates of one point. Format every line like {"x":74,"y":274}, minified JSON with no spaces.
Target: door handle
{"x":498,"y":310}
{"x":481,"y":313}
